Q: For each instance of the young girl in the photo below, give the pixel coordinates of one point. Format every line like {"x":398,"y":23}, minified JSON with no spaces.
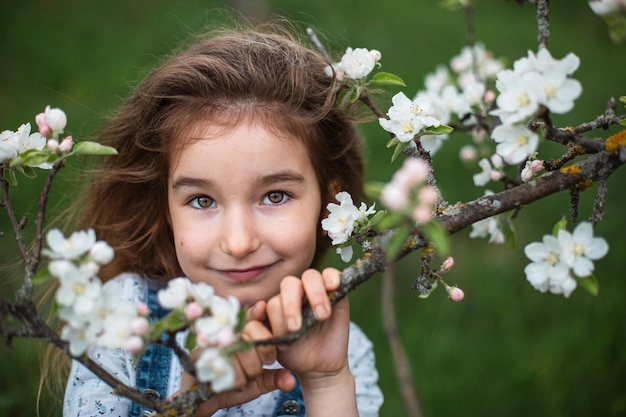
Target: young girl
{"x":228,"y":155}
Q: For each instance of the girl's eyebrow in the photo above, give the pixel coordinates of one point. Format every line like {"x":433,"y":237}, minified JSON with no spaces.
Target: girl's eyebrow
{"x":286,"y":175}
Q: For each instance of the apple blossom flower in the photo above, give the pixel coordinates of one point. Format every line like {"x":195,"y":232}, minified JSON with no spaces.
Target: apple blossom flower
{"x":79,"y":339}
{"x":607,"y":7}
{"x":340,"y":222}
{"x":212,"y":366}
{"x":580,"y":248}
{"x":78,"y":244}
{"x":547,"y":271}
{"x":408,"y":117}
{"x":358,"y":63}
{"x":176,"y":295}
{"x":101,"y":252}
{"x":52,"y":120}
{"x":488,"y":227}
{"x":52,"y":145}
{"x":491,"y":170}
{"x":202,"y":293}
{"x":9,"y":144}
{"x":224,"y":315}
{"x":515,"y":142}
{"x":193,"y":311}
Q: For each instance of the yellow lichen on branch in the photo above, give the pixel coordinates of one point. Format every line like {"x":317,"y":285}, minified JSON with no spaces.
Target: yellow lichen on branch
{"x":615,"y":142}
{"x":572,"y":170}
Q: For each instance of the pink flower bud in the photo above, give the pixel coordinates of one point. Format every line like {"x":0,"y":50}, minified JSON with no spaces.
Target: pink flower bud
{"x":495,"y":175}
{"x":134,"y":344}
{"x":52,"y":144}
{"x":143,"y":309}
{"x":537,"y":165}
{"x":66,"y":144}
{"x":455,"y":293}
{"x":417,"y":169}
{"x":526,"y":175}
{"x":447,"y":264}
{"x":375,"y":54}
{"x":422,"y":213}
{"x":139,"y":326}
{"x":393,"y":197}
{"x":489,"y":96}
{"x":225,"y":337}
{"x":427,"y":195}
{"x":468,"y":153}
{"x":55,"y":119}
{"x":193,"y":310}
{"x":478,"y":133}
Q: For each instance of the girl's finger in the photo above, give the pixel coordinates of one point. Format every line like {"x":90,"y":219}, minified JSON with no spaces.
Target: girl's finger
{"x":275,"y":316}
{"x":316,"y":294}
{"x":332,"y":278}
{"x":255,"y":330}
{"x":291,"y":293}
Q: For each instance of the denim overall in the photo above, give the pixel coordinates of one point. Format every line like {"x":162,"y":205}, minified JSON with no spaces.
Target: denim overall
{"x":153,"y":371}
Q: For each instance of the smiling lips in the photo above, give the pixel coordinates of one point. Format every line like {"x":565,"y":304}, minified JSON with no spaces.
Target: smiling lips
{"x":245,"y":275}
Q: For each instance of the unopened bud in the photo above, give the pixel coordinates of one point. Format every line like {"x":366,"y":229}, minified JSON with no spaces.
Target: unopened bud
{"x":455,"y":293}
{"x":133,"y":344}
{"x":143,"y":309}
{"x":447,"y":264}
{"x":422,"y":213}
{"x":526,"y":175}
{"x":468,"y":153}
{"x":375,"y":54}
{"x":537,"y":165}
{"x":489,"y":96}
{"x":66,"y":144}
{"x":193,"y":310}
{"x":52,"y":144}
{"x":55,"y":119}
{"x":139,"y":326}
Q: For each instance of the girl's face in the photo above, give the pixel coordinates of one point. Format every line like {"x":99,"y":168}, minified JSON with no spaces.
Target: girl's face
{"x":244,"y":207}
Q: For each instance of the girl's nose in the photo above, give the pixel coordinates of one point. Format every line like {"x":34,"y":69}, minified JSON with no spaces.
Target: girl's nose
{"x":239,"y":235}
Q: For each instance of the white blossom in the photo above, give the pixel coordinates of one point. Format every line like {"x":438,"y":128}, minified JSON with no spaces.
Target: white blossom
{"x":346,"y":253}
{"x":515,"y":142}
{"x":607,"y":7}
{"x":340,"y":222}
{"x":358,"y":63}
{"x":224,"y":316}
{"x":55,"y":119}
{"x":176,"y":295}
{"x":491,"y":170}
{"x":101,"y":252}
{"x":580,"y":248}
{"x":408,"y":117}
{"x":547,"y":271}
{"x":78,"y":244}
{"x":212,"y":366}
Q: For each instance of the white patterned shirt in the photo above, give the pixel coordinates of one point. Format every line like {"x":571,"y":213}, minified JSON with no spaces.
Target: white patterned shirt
{"x":88,"y":396}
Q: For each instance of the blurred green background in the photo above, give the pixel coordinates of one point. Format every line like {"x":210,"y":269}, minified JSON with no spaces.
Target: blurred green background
{"x":504,"y":350}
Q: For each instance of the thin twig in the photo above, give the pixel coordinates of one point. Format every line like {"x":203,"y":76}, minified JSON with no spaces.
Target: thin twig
{"x":400,"y":358}
{"x":543,"y":22}
{"x":17,"y":229}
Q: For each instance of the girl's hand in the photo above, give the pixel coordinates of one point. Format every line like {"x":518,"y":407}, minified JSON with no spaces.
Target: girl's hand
{"x":320,"y":357}
{"x":251,"y":380}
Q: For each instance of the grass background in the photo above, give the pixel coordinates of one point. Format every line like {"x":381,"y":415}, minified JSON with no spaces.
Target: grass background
{"x":506,"y":349}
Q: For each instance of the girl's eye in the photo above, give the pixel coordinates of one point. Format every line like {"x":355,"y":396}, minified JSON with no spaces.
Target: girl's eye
{"x":202,"y":202}
{"x":275,"y":197}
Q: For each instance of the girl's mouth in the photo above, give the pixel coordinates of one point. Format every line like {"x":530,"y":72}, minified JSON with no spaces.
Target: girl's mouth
{"x":245,"y":275}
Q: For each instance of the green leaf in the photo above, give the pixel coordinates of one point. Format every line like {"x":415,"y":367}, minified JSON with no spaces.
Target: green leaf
{"x":590,"y":283}
{"x":436,"y":234}
{"x":9,"y":176}
{"x":42,"y":276}
{"x":28,"y":172}
{"x":622,"y":99}
{"x":374,"y":188}
{"x":92,"y":148}
{"x":509,"y":234}
{"x":560,"y":225}
{"x":396,"y":242}
{"x":386,"y":78}
{"x":439,"y":130}
{"x":390,"y":220}
{"x":35,"y":158}
{"x":392,"y":142}
{"x":377,"y":217}
{"x":399,"y":148}
{"x":622,"y":122}
{"x":190,"y":343}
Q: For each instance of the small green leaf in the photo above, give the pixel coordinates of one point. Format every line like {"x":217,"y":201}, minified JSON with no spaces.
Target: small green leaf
{"x":509,"y":234}
{"x":42,"y":276}
{"x":590,"y":283}
{"x":9,"y":176}
{"x":374,"y":188}
{"x":396,"y":242}
{"x":377,"y":217}
{"x":386,"y":78}
{"x":392,"y":142}
{"x":439,"y":130}
{"x":622,"y":99}
{"x":399,"y":148}
{"x":560,"y":225}
{"x":436,"y":234}
{"x":92,"y":148}
{"x":622,"y":122}
{"x":190,"y":343}
{"x":390,"y":220}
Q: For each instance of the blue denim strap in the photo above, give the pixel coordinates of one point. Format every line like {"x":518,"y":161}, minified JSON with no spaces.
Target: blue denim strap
{"x":153,"y":370}
{"x":290,"y":403}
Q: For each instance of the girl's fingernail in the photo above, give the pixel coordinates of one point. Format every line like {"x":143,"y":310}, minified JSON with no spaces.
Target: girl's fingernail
{"x":293,"y":324}
{"x":320,"y":312}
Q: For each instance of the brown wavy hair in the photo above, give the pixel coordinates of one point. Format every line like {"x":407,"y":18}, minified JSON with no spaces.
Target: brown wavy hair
{"x":232,"y":76}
